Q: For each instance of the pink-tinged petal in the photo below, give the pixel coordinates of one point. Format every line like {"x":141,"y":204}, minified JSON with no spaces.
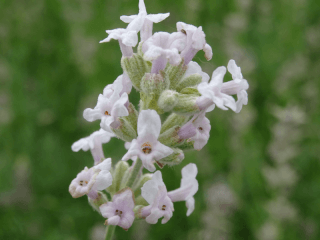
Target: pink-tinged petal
{"x":124,"y":198}
{"x":107,"y":209}
{"x":194,"y":67}
{"x":126,"y":220}
{"x":147,"y":161}
{"x":105,"y":165}
{"x":160,"y":151}
{"x":190,"y":205}
{"x":149,"y":191}
{"x":113,"y":220}
{"x":130,"y":38}
{"x":133,"y":151}
{"x":190,"y":171}
{"x":119,"y":109}
{"x":80,"y":144}
{"x":128,"y":19}
{"x":142,"y":6}
{"x":149,"y":124}
{"x":92,"y":114}
{"x":234,"y":70}
{"x":207,"y":51}
{"x":217,"y":76}
{"x":103,"y":180}
{"x":154,"y":216}
{"x":156,"y":18}
{"x":199,"y":141}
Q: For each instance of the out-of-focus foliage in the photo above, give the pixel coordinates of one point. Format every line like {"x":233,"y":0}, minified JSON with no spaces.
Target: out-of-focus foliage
{"x":259,"y":174}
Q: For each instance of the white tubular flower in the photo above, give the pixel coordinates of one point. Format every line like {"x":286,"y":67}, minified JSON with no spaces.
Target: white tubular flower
{"x":188,"y":187}
{"x":155,"y":193}
{"x":148,"y":20}
{"x":127,"y":37}
{"x":91,"y":180}
{"x":197,"y":129}
{"x":212,"y":94}
{"x":195,"y":42}
{"x":110,"y":106}
{"x":146,"y":146}
{"x":127,"y":146}
{"x":194,"y":67}
{"x":122,"y":82}
{"x":163,"y":47}
{"x":120,"y":210}
{"x":237,"y":86}
{"x":94,"y":143}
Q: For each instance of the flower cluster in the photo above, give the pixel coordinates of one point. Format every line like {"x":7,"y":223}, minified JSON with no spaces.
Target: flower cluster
{"x":169,"y":83}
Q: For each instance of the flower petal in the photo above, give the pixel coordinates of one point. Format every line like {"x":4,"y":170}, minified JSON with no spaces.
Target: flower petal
{"x":156,"y":18}
{"x":149,"y":124}
{"x":92,"y":114}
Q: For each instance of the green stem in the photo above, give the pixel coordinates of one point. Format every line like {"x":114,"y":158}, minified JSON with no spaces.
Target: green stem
{"x":134,"y":173}
{"x":110,"y":232}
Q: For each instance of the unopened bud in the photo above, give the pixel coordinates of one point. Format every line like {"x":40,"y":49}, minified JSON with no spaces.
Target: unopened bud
{"x":136,"y":67}
{"x":191,"y":90}
{"x":187,"y":145}
{"x":173,"y":120}
{"x":132,"y":118}
{"x":124,"y":131}
{"x":144,"y":178}
{"x":176,"y":73}
{"x":170,"y":137}
{"x":96,"y":203}
{"x":154,"y":83}
{"x":141,"y":201}
{"x":187,"y":104}
{"x":174,"y":159}
{"x":117,"y":175}
{"x":167,"y":100}
{"x":137,"y":211}
{"x":190,"y":81}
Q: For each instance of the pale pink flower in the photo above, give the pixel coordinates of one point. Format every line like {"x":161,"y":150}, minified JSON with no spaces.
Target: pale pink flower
{"x":146,"y":146}
{"x":120,"y":210}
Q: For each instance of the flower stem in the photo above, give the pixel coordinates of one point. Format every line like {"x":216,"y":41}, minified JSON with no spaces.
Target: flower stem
{"x":134,"y":173}
{"x":110,"y":232}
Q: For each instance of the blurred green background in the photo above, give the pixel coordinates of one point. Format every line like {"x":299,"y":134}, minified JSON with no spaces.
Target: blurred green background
{"x":259,"y":174}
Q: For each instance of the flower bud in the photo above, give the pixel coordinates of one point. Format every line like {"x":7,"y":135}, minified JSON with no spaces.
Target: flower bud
{"x":96,"y":203}
{"x":173,"y":120}
{"x":176,"y":73}
{"x":174,"y":159}
{"x":141,"y":201}
{"x":132,"y":118}
{"x":137,"y":210}
{"x":144,"y":178}
{"x":190,"y":81}
{"x":117,"y":175}
{"x":170,"y":137}
{"x":190,"y":90}
{"x":187,"y":104}
{"x":167,"y":100}
{"x":124,"y":131}
{"x":154,"y":83}
{"x":187,"y":145}
{"x":136,"y":67}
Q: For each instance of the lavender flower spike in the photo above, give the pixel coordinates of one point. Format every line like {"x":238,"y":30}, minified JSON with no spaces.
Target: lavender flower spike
{"x":148,"y":20}
{"x":94,"y":143}
{"x":146,"y":146}
{"x":195,"y":42}
{"x":188,"y":187}
{"x":155,"y":193}
{"x":120,"y":210}
{"x":91,"y":180}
